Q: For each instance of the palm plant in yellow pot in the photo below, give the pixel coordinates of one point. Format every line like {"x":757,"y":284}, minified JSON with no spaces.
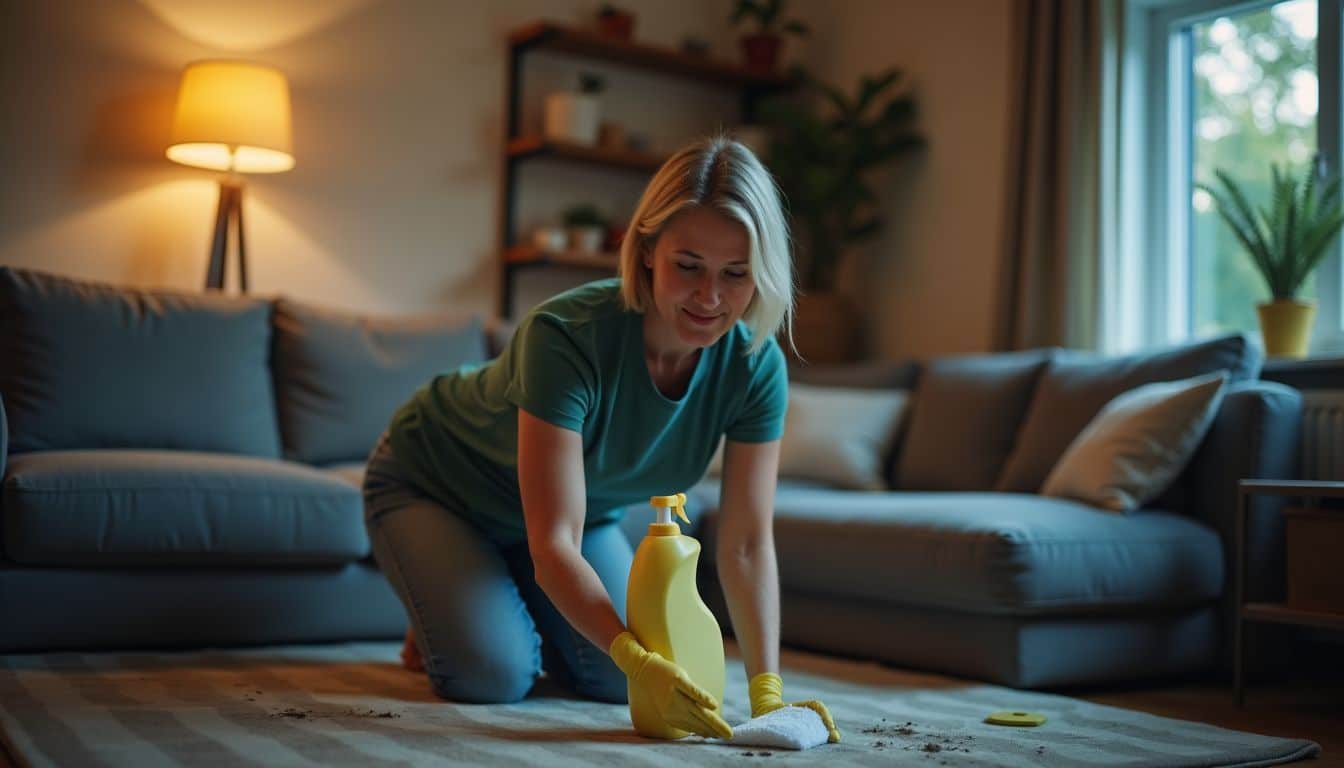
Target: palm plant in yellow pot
{"x":1286,"y":240}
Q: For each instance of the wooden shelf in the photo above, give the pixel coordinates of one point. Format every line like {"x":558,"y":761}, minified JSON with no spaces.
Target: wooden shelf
{"x":1311,"y":488}
{"x":751,"y":88}
{"x":535,"y":146}
{"x":558,"y":37}
{"x":529,"y":255}
{"x":1282,"y":614}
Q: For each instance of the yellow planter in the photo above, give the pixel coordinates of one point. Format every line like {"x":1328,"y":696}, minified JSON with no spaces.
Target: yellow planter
{"x":1285,"y":325}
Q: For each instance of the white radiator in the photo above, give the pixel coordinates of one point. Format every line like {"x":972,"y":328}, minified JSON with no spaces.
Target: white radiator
{"x":1323,"y":434}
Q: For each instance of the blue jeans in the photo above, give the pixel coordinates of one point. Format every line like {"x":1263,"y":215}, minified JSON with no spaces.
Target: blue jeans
{"x":483,"y":626}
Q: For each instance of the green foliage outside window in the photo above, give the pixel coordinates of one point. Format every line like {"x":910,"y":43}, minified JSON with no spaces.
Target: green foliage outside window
{"x":1253,"y":106}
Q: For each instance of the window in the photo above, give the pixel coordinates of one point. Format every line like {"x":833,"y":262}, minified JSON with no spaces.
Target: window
{"x":1218,"y":84}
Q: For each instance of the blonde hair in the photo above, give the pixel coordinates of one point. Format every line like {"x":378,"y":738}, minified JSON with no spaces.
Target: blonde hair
{"x":722,"y":175}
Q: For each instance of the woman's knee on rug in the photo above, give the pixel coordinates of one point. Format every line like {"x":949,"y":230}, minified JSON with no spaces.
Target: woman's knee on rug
{"x":492,"y":679}
{"x":603,"y":681}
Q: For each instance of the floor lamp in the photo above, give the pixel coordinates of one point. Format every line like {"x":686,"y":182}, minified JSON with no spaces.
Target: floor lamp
{"x":231,"y":116}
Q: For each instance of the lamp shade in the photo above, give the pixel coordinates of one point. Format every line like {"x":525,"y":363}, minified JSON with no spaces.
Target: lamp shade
{"x":232,"y":116}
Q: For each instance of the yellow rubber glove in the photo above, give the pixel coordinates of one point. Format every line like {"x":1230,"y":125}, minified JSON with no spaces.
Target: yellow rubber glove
{"x":680,"y":702}
{"x":767,"y":695}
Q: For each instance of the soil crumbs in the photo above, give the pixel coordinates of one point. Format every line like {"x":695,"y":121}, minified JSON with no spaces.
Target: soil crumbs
{"x":303,"y":714}
{"x":910,"y":738}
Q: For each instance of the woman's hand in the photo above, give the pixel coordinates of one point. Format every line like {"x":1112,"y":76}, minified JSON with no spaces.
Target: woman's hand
{"x":767,"y":694}
{"x":680,"y":702}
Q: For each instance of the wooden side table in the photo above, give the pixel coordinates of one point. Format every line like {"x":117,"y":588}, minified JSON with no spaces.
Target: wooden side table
{"x":1311,"y":492}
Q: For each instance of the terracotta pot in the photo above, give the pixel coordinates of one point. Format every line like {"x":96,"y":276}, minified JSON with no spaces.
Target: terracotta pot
{"x":617,"y":25}
{"x":1285,"y":325}
{"x":826,"y":329}
{"x":761,"y":52}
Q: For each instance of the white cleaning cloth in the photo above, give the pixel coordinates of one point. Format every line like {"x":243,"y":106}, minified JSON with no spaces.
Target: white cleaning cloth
{"x":784,"y":728}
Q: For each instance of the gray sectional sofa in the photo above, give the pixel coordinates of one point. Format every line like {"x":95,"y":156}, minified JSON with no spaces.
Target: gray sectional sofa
{"x":183,"y":470}
{"x":962,"y":568}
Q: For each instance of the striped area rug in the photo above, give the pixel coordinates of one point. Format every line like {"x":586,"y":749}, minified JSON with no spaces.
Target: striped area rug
{"x":351,"y":705}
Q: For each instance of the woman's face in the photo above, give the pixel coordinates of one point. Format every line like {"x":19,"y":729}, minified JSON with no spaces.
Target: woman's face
{"x":702,"y":280}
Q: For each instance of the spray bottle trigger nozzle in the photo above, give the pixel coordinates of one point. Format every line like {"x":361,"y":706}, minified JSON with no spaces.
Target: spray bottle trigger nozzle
{"x":675,"y":502}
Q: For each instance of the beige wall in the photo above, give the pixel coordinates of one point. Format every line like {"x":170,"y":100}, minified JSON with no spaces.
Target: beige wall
{"x":398,"y":115}
{"x":398,"y":122}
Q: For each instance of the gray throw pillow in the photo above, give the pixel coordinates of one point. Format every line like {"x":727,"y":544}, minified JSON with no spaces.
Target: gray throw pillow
{"x":966,"y":411}
{"x":839,"y":436}
{"x":869,"y":374}
{"x":1076,"y":385}
{"x":339,"y":376}
{"x":1138,"y":444}
{"x":90,"y":365}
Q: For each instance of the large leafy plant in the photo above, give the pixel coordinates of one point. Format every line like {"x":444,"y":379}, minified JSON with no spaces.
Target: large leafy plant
{"x":824,"y":158}
{"x":1289,"y":237}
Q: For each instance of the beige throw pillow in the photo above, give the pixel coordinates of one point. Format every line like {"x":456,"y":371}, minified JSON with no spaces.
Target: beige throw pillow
{"x":1137,"y":444}
{"x":836,"y":435}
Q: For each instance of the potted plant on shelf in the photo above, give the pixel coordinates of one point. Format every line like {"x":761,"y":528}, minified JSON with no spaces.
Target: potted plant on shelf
{"x":761,"y":48}
{"x":587,"y":228}
{"x":824,"y":161}
{"x":1286,"y":240}
{"x":615,"y":23}
{"x":576,"y":116}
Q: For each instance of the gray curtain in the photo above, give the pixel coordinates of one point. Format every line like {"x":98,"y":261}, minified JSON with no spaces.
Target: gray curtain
{"x":1048,"y":292}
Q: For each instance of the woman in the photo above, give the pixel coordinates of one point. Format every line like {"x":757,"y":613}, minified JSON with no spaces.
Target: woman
{"x":492,"y":500}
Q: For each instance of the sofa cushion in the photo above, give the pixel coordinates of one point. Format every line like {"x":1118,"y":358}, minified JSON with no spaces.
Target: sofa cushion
{"x":1138,"y":444}
{"x":339,"y":376}
{"x":839,"y":435}
{"x":1076,"y":385}
{"x":990,"y":553}
{"x":966,"y":413}
{"x":89,"y":365}
{"x":869,"y":374}
{"x":152,"y":508}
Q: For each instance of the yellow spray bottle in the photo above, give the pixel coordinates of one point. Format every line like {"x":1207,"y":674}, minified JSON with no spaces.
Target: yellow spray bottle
{"x":665,"y":613}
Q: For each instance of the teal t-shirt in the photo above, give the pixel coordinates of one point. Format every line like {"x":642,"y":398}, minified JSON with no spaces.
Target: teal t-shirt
{"x":577,"y":361}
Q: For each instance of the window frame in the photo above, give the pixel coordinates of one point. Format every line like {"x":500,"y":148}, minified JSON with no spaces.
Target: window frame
{"x":1148,"y":299}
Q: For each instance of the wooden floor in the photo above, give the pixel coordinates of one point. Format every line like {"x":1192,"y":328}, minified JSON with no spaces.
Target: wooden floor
{"x":1298,"y":710}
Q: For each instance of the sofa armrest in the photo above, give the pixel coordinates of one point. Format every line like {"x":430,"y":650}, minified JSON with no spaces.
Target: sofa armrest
{"x":1256,"y":434}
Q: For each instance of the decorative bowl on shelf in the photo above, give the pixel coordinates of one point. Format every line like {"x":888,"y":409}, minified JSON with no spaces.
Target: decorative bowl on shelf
{"x":587,"y":239}
{"x":550,"y":239}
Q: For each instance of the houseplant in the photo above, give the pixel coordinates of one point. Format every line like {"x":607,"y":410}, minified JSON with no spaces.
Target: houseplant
{"x":587,"y":227}
{"x":824,"y":158}
{"x":761,"y":48}
{"x":615,"y":23}
{"x":1286,"y":240}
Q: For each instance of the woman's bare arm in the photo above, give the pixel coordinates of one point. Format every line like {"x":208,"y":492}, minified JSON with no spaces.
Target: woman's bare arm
{"x":550,"y":479}
{"x":745,"y":551}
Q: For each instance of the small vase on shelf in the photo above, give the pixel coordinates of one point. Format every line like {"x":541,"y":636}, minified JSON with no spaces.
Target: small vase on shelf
{"x":575,"y":117}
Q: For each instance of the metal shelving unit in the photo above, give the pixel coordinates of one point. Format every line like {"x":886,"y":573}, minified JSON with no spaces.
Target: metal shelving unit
{"x":520,"y":147}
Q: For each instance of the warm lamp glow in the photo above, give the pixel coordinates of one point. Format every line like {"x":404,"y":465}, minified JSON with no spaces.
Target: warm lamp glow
{"x":232,"y":116}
